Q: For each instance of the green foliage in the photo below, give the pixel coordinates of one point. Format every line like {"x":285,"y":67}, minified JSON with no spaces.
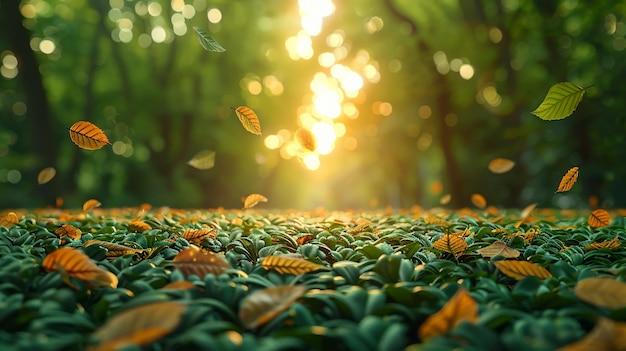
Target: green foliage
{"x":207,"y":41}
{"x":561,"y":101}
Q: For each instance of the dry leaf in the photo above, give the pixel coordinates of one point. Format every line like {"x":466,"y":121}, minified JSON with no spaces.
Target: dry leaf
{"x":77,"y":264}
{"x":114,"y":250}
{"x":611,"y":245}
{"x":478,"y":200}
{"x":451,"y":243}
{"x":519,"y":270}
{"x":498,"y":248}
{"x":599,"y":218}
{"x":445,"y":199}
{"x":138,"y":226}
{"x":263,"y":305}
{"x":67,"y":230}
{"x":139,"y":325}
{"x":197,"y":236}
{"x":87,"y":136}
{"x":568,"y":180}
{"x":203,"y":160}
{"x":9,"y":219}
{"x":606,"y":335}
{"x":301,"y":240}
{"x":460,"y":308}
{"x":285,"y":265}
{"x":437,"y":221}
{"x":195,"y":261}
{"x":527,"y":210}
{"x":46,"y":175}
{"x":90,"y":205}
{"x":252,"y":200}
{"x":305,"y":138}
{"x":249,"y":120}
{"x":602,"y":292}
{"x":500,"y":165}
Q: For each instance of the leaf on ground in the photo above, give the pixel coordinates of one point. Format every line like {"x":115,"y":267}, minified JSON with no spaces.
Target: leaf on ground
{"x":77,"y":264}
{"x":252,"y":200}
{"x":203,"y":160}
{"x":114,"y":250}
{"x":138,"y":226}
{"x":207,"y":41}
{"x":139,"y":326}
{"x":560,"y":102}
{"x":285,"y":265}
{"x":197,"y":236}
{"x":500,"y":165}
{"x":264,"y":305}
{"x":599,"y":218}
{"x":306,"y":139}
{"x":193,"y":260}
{"x":568,"y":180}
{"x":67,"y":230}
{"x":249,"y":120}
{"x":478,"y":200}
{"x":602,"y":292}
{"x":606,"y":335}
{"x":88,"y":136}
{"x":610,"y":244}
{"x":451,"y":243}
{"x":460,"y":308}
{"x":90,"y":205}
{"x":498,"y":248}
{"x":519,"y":270}
{"x":301,"y":240}
{"x":46,"y":175}
{"x":9,"y":219}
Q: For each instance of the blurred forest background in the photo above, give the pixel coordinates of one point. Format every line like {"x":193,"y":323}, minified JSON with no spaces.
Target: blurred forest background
{"x":409,"y":101}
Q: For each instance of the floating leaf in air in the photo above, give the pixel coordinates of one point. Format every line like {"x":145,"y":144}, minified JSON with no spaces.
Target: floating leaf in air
{"x":249,"y":120}
{"x":207,"y":41}
{"x":500,"y":165}
{"x":305,"y":138}
{"x":527,"y":210}
{"x":264,"y":305}
{"x":90,"y":205}
{"x":560,"y":102}
{"x":285,"y":265}
{"x":195,"y":261}
{"x":139,"y":326}
{"x":611,"y":245}
{"x":568,"y":180}
{"x":478,"y":200}
{"x":87,"y":136}
{"x":203,"y":160}
{"x":606,"y":335}
{"x":602,"y":292}
{"x":498,"y":248}
{"x":9,"y":219}
{"x":252,"y":200}
{"x":46,"y":175}
{"x":67,"y":230}
{"x":197,"y":236}
{"x":445,"y":199}
{"x":460,"y":308}
{"x":599,"y":218}
{"x":113,"y":250}
{"x":521,"y":269}
{"x":77,"y":264}
{"x":451,"y":243}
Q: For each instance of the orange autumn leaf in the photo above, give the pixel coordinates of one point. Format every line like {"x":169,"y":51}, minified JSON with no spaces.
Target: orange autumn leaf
{"x":460,"y":308}
{"x":599,"y":218}
{"x":264,"y":305}
{"x":197,"y":236}
{"x":519,"y":270}
{"x":602,"y":292}
{"x":138,"y":226}
{"x":606,"y":335}
{"x":249,"y":120}
{"x":568,"y":180}
{"x":76,"y":264}
{"x":611,"y":244}
{"x":252,"y":200}
{"x":301,"y":240}
{"x":193,"y":260}
{"x":46,"y":175}
{"x":498,"y":248}
{"x":90,"y":205}
{"x":306,"y":139}
{"x":500,"y":165}
{"x":285,"y":265}
{"x":528,"y":210}
{"x":67,"y":230}
{"x":451,"y":243}
{"x":88,"y":136}
{"x":478,"y":200}
{"x":9,"y":219}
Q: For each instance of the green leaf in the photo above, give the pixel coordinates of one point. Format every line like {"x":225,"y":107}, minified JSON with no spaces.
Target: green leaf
{"x":561,"y":101}
{"x":207,"y":41}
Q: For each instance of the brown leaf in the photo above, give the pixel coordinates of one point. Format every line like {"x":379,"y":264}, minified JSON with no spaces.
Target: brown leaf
{"x":46,"y":175}
{"x":203,"y":160}
{"x":611,"y":245}
{"x":90,"y":205}
{"x":478,"y":200}
{"x":252,"y":200}
{"x":460,"y":308}
{"x":67,"y":230}
{"x":527,"y":211}
{"x":305,"y":138}
{"x":139,"y":325}
{"x":249,"y":120}
{"x":606,"y":335}
{"x":9,"y":219}
{"x":568,"y":180}
{"x":197,"y":236}
{"x":285,"y":265}
{"x":77,"y":264}
{"x":195,"y":261}
{"x":451,"y":243}
{"x":498,"y":248}
{"x":87,"y":136}
{"x":602,"y":292}
{"x":521,"y":269}
{"x":264,"y":305}
{"x":500,"y":165}
{"x":114,"y":250}
{"x":599,"y":218}
{"x":301,"y":240}
{"x":138,"y":226}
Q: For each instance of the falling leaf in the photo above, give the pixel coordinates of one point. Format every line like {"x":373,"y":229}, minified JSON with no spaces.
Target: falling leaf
{"x":67,"y":230}
{"x":113,"y":250}
{"x":527,"y":211}
{"x":197,"y":236}
{"x":521,"y":269}
{"x":285,"y":265}
{"x":252,"y":200}
{"x":207,"y":41}
{"x":451,"y":243}
{"x":602,"y":292}
{"x":9,"y":219}
{"x":568,"y":180}
{"x":263,"y":305}
{"x":560,"y":102}
{"x":249,"y":120}
{"x":139,"y":325}
{"x":611,"y":245}
{"x":77,"y":264}
{"x":46,"y":175}
{"x":87,"y":136}
{"x":599,"y":218}
{"x":203,"y":160}
{"x":445,"y":199}
{"x":478,"y":200}
{"x":195,"y":261}
{"x":305,"y":138}
{"x":606,"y":335}
{"x":460,"y":308}
{"x":90,"y":205}
{"x":498,"y":248}
{"x":500,"y":165}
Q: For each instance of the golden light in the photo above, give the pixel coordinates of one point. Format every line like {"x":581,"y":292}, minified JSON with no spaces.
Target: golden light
{"x":351,"y":83}
{"x":311,"y":161}
{"x":326,"y":59}
{"x":335,"y":39}
{"x":272,"y":142}
{"x":214,"y":15}
{"x":328,"y":103}
{"x":316,"y":8}
{"x":325,"y":136}
{"x":466,"y":71}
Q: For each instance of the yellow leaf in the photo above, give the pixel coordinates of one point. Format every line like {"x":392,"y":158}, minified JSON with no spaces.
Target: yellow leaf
{"x":478,"y":200}
{"x":498,"y":248}
{"x":611,"y":244}
{"x":527,"y":210}
{"x":90,"y":205}
{"x":451,"y":243}
{"x":195,"y":261}
{"x":285,"y":265}
{"x":519,"y":270}
{"x":568,"y":180}
{"x":445,"y":199}
{"x":138,"y":226}
{"x":305,"y":138}
{"x":77,"y":264}
{"x":460,"y":308}
{"x":263,"y":305}
{"x":9,"y":219}
{"x":602,"y":292}
{"x":599,"y":218}
{"x":252,"y":200}
{"x":203,"y":160}
{"x":197,"y":236}
{"x":249,"y":120}
{"x":606,"y":335}
{"x":500,"y":165}
{"x":46,"y":175}
{"x":87,"y":136}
